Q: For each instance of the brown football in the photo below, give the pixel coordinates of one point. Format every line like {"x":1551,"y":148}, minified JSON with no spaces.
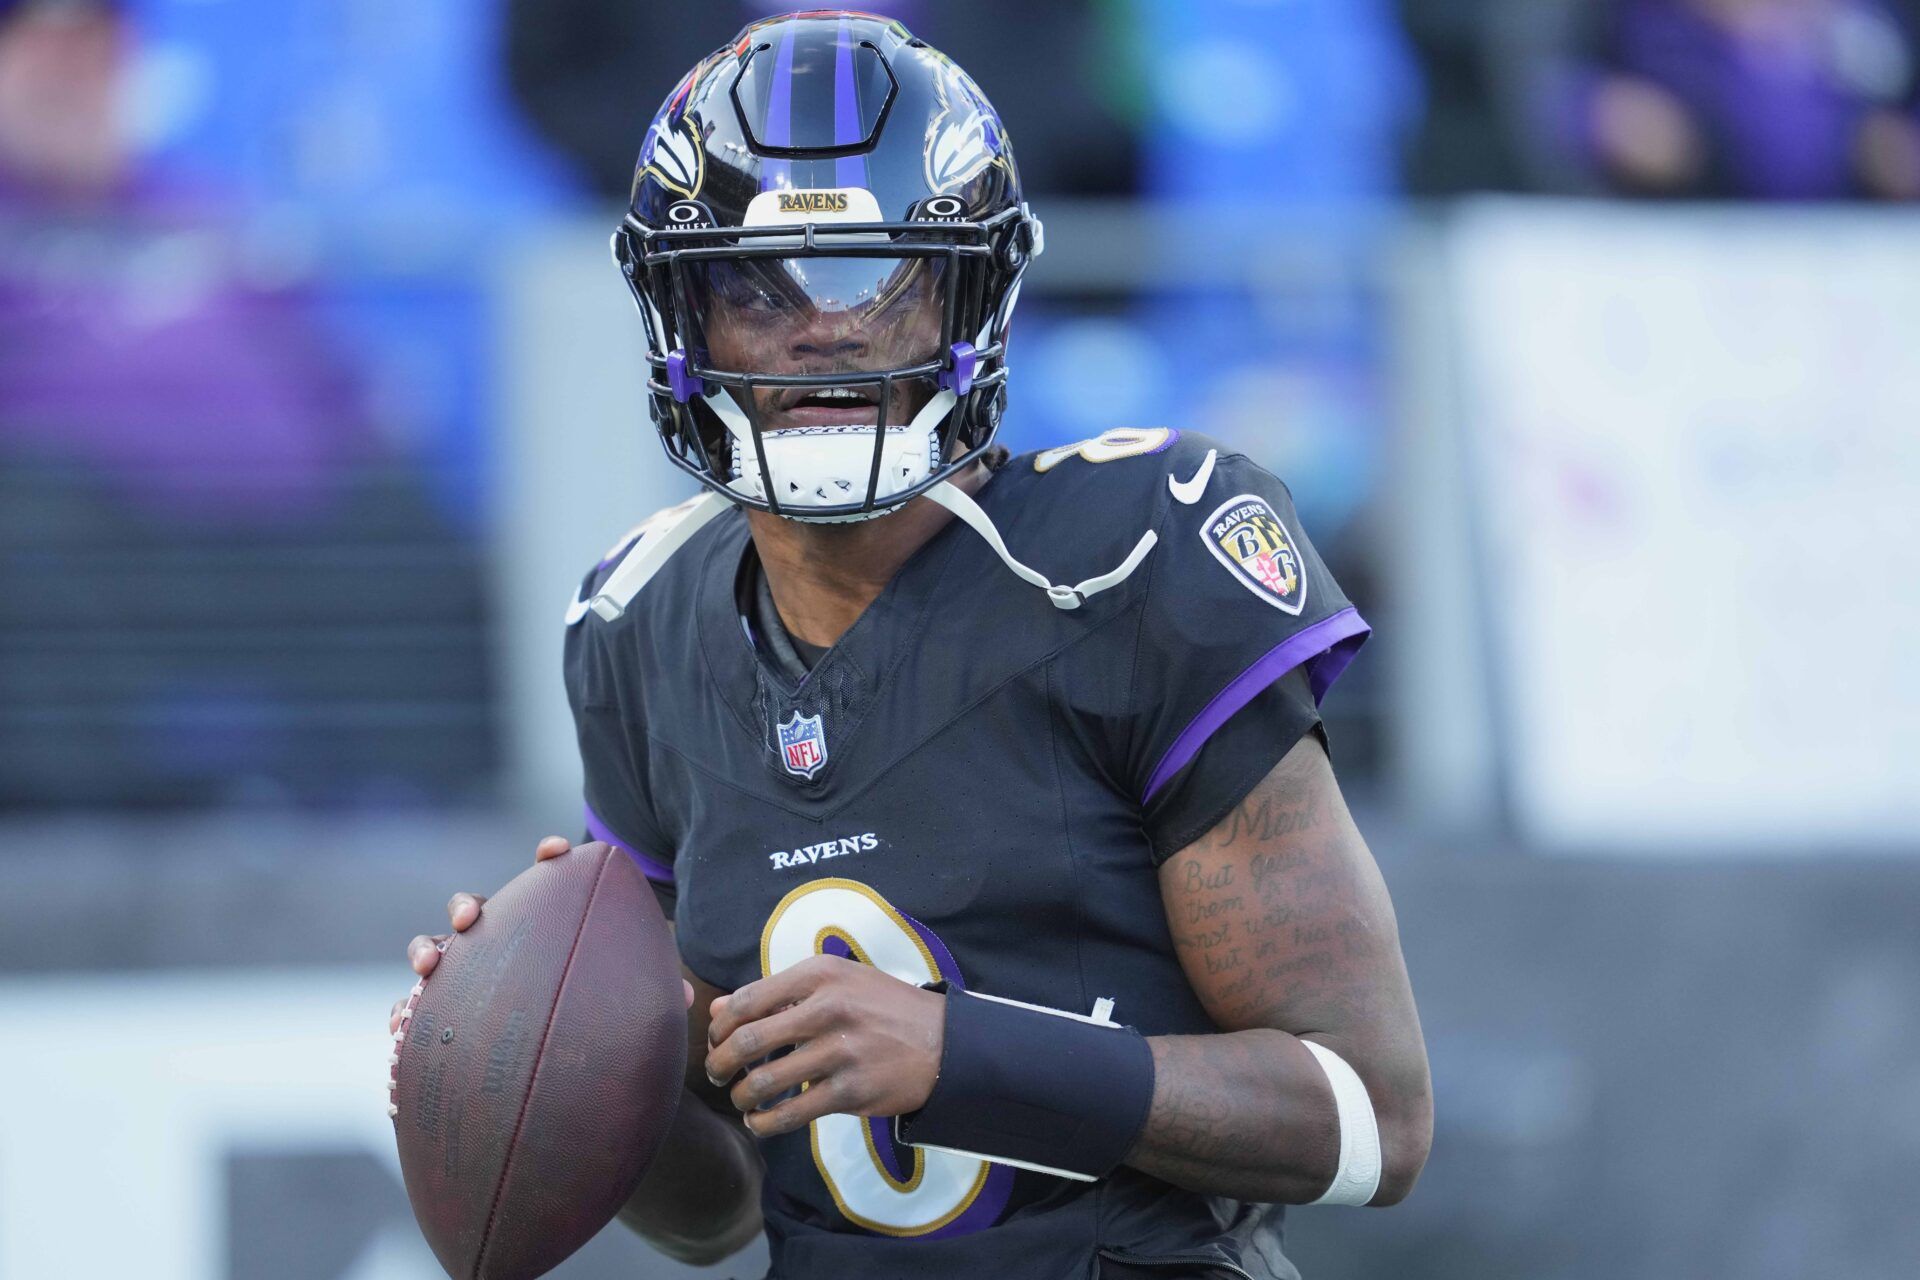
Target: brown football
{"x":538,"y":1068}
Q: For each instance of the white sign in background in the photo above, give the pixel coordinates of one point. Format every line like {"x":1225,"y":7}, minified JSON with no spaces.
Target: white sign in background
{"x":128,"y":1096}
{"x":1695,"y":441}
{"x":125,"y":1095}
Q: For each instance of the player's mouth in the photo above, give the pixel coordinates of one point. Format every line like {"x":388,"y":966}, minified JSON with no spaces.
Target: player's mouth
{"x":827,"y":407}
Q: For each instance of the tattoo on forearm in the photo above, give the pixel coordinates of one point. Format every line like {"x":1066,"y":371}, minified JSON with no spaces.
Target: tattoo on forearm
{"x":1190,"y":1112}
{"x":1219,"y":1115}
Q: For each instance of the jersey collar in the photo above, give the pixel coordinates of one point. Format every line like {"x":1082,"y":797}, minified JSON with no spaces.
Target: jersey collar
{"x":852,"y":675}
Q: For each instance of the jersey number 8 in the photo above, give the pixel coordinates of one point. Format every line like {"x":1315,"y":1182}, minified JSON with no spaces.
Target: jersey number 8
{"x":909,"y":1197}
{"x":1123,"y":442}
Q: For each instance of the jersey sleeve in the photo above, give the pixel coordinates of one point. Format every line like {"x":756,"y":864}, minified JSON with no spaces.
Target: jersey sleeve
{"x":612,"y":743}
{"x":1242,"y":633}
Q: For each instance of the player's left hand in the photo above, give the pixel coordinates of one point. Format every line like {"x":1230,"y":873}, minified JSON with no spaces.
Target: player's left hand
{"x":864,"y":1043}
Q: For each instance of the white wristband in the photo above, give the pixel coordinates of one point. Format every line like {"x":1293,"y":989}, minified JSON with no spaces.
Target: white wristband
{"x":1357,"y":1178}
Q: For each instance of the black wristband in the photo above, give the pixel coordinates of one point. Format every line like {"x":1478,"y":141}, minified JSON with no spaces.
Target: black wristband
{"x":1034,"y":1087}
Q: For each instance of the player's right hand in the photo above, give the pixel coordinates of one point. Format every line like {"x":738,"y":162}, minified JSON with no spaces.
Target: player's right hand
{"x":423,"y":953}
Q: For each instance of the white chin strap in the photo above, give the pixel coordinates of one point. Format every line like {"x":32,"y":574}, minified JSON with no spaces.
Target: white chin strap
{"x":830,"y":466}
{"x":961,"y":504}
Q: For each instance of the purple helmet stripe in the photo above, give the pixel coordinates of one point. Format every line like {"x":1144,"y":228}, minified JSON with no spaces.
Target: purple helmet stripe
{"x":779,"y":128}
{"x":849,"y":171}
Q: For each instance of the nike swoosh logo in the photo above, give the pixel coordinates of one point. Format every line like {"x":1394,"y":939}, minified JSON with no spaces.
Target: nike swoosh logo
{"x":1189,"y":491}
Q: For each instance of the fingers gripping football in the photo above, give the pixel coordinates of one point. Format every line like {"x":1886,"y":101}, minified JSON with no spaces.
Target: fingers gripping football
{"x":863,"y":1043}
{"x":463,"y":909}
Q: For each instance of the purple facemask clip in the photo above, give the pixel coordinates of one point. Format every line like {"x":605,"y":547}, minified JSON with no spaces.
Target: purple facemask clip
{"x":966,"y":362}
{"x":684,"y":385}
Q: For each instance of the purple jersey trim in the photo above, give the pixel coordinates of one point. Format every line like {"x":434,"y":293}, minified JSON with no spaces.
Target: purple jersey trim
{"x":942,"y":958}
{"x":650,"y":866}
{"x":1327,"y":647}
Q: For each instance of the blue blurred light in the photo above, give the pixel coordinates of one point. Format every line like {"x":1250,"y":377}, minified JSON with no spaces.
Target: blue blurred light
{"x":350,"y":108}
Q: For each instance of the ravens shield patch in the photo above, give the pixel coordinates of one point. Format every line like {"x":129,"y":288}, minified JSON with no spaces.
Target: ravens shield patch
{"x":1246,"y":536}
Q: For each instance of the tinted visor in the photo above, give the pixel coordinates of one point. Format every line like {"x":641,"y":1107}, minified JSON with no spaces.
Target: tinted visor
{"x":818,"y":315}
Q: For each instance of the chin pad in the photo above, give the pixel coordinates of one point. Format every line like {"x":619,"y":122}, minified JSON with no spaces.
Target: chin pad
{"x":815,"y":467}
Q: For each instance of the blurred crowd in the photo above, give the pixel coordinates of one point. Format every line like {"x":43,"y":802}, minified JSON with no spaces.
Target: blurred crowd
{"x":1695,"y":99}
{"x":1700,"y":99}
{"x":141,"y":339}
{"x":209,"y":539}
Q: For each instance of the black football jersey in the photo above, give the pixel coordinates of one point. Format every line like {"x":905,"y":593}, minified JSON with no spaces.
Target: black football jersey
{"x":972,"y":785}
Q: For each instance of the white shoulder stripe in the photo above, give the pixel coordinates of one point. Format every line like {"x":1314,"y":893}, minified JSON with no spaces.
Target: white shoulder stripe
{"x":658,"y":538}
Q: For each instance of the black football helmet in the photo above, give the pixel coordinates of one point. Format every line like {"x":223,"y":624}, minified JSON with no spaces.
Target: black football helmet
{"x":825,"y":241}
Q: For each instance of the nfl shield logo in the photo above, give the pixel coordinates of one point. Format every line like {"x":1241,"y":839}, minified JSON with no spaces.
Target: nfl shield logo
{"x":803,"y":745}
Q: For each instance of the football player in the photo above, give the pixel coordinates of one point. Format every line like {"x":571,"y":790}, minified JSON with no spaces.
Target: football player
{"x":1026,"y":930}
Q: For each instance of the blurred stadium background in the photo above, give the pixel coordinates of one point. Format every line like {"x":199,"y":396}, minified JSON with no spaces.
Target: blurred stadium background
{"x":1584,"y":330}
